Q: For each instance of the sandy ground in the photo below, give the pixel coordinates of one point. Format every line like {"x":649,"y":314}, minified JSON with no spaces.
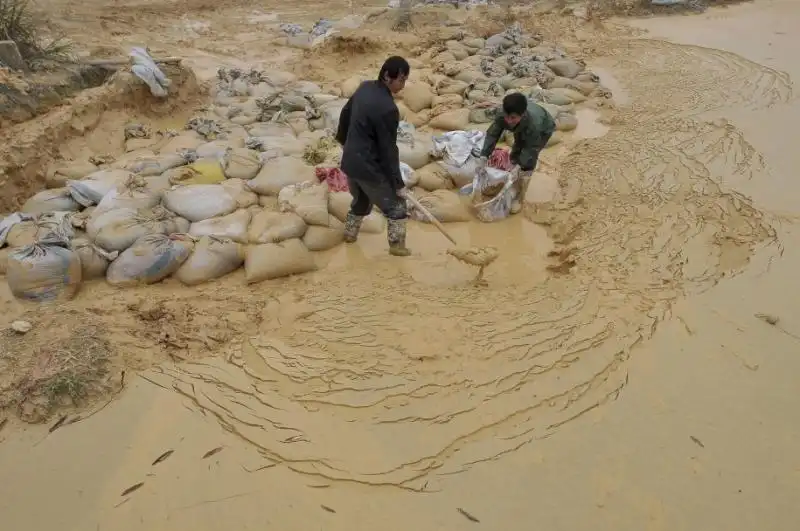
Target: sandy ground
{"x":639,"y":391}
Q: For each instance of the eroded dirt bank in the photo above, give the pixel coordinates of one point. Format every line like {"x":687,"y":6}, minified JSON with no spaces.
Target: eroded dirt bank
{"x":638,"y":392}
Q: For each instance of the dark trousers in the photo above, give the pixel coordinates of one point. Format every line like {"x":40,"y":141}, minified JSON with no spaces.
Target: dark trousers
{"x":381,"y":194}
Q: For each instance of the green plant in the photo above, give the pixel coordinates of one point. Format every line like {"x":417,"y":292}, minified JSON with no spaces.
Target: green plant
{"x":18,"y":24}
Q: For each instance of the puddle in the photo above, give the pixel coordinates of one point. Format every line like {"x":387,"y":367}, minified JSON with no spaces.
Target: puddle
{"x":588,"y":126}
{"x":523,"y":247}
{"x":621,"y":96}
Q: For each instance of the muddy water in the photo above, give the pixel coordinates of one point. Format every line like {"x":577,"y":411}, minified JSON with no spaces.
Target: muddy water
{"x":398,"y":396}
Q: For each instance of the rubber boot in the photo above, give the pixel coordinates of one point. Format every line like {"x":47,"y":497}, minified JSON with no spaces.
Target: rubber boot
{"x":522,"y":184}
{"x":396,"y":233}
{"x":351,"y":227}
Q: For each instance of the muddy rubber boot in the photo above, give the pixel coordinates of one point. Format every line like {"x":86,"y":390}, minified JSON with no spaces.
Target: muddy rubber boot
{"x":351,"y":227}
{"x":396,"y":233}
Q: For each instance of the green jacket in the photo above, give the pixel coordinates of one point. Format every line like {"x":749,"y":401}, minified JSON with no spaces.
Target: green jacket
{"x":530,"y":135}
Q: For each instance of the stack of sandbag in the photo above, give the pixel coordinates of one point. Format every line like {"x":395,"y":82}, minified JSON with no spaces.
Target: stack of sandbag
{"x":309,"y":201}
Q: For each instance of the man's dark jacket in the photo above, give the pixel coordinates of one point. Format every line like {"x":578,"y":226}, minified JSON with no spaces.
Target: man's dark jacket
{"x":368,"y":131}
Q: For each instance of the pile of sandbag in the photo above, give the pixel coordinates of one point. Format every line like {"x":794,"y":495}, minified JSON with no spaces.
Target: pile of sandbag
{"x":195,"y":205}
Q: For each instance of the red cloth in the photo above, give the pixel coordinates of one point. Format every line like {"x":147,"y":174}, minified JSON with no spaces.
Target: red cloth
{"x":500,"y":159}
{"x":334,"y":177}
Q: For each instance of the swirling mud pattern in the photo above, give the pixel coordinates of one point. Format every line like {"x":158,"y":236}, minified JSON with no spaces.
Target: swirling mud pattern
{"x":381,"y":380}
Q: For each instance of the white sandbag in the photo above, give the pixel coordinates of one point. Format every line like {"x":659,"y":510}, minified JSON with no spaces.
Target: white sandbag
{"x":445,"y":205}
{"x":434,"y":176}
{"x":276,"y":260}
{"x":58,"y":174}
{"x":132,"y":193}
{"x":417,"y":96}
{"x":211,"y":258}
{"x":461,"y":175}
{"x":197,"y":202}
{"x":409,"y":176}
{"x":310,"y":202}
{"x":150,"y":259}
{"x":274,"y":227}
{"x":91,"y":190}
{"x":94,"y":260}
{"x":233,"y":226}
{"x":238,"y":189}
{"x":319,"y":238}
{"x":454,"y":120}
{"x":279,"y":173}
{"x":158,"y":164}
{"x":44,"y":271}
{"x":117,"y":230}
{"x":241,"y":163}
{"x":55,"y":200}
{"x":339,"y":205}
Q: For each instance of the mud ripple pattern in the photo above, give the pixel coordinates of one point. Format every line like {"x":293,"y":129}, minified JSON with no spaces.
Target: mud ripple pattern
{"x":384,"y":381}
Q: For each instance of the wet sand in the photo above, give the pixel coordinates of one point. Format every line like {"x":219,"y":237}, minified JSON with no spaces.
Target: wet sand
{"x":333,"y":420}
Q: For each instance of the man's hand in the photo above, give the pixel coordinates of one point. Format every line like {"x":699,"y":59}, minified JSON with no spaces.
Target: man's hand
{"x":481,"y":163}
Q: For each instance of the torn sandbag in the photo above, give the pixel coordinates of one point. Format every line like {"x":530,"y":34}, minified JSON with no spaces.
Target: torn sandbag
{"x":146,"y":69}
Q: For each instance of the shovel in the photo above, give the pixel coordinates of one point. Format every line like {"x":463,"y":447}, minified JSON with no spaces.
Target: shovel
{"x":476,"y":256}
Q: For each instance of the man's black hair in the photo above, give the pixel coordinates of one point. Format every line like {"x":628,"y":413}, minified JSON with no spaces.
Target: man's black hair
{"x":515,"y":103}
{"x":394,"y":67}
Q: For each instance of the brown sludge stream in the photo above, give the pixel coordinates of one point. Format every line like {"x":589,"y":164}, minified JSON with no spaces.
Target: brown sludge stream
{"x":636,"y":390}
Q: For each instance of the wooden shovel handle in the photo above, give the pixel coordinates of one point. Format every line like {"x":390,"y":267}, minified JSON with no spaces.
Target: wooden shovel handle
{"x":430,"y":217}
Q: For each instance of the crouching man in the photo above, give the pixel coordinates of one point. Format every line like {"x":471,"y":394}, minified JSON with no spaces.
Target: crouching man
{"x":532,"y":126}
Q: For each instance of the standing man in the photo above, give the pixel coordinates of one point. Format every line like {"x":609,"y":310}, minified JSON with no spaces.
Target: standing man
{"x":368,"y":131}
{"x":532,"y":126}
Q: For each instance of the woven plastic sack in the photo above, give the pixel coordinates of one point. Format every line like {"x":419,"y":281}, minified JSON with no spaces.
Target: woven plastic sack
{"x":279,"y":173}
{"x":233,"y":226}
{"x":276,"y":260}
{"x":211,"y":258}
{"x":134,"y":193}
{"x":91,"y":190}
{"x":117,"y":230}
{"x":94,"y":260}
{"x":55,"y":200}
{"x":197,"y":202}
{"x":274,"y":227}
{"x":241,"y":163}
{"x":151,"y":259}
{"x":44,"y":271}
{"x":319,"y":238}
